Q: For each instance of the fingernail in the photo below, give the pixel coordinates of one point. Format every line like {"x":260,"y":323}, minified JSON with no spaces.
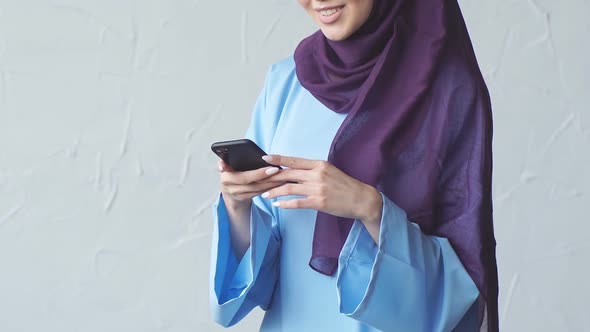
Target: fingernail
{"x":267,"y":158}
{"x":265,"y":195}
{"x":277,"y":203}
{"x":271,"y":171}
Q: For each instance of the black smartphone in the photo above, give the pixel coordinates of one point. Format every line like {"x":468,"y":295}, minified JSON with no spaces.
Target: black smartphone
{"x":240,"y":154}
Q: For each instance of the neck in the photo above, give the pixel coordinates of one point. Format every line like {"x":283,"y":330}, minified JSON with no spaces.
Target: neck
{"x":369,"y":39}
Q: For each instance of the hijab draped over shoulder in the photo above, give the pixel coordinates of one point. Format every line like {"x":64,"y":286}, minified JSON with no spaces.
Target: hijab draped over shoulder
{"x":418,"y":128}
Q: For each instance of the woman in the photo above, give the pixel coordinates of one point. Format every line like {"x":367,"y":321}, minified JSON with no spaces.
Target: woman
{"x":382,"y":218}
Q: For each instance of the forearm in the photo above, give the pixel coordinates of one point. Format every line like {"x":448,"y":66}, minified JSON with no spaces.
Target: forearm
{"x":239,"y":220}
{"x":243,"y":273}
{"x":373,"y":229}
{"x":406,"y":277}
{"x":371,"y":212}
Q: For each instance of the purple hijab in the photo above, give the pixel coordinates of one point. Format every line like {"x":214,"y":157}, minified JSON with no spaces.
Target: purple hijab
{"x":418,"y":128}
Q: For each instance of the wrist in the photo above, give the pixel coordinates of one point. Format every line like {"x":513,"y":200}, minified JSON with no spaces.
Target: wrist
{"x":371,"y":211}
{"x":236,"y":205}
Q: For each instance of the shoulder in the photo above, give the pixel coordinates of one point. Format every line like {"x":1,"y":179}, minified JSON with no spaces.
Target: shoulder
{"x":461,"y":95}
{"x":284,"y":66}
{"x":459,"y":89}
{"x":459,"y":75}
{"x":281,"y":83}
{"x":456,"y":70}
{"x":281,"y":74}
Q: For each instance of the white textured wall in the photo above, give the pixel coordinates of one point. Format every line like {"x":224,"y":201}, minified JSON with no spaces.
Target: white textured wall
{"x":108,"y":108}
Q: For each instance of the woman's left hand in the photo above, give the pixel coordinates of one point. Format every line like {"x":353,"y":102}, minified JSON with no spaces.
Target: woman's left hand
{"x":325,"y":188}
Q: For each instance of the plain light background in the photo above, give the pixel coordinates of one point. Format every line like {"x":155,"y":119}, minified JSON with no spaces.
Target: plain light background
{"x":108,"y":108}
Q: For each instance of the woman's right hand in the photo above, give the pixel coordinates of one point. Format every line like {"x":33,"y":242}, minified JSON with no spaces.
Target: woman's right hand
{"x":238,"y":188}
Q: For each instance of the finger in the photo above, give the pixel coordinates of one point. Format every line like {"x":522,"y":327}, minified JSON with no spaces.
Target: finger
{"x":287,"y":190}
{"x":291,"y":162}
{"x":260,"y":174}
{"x":250,"y":190}
{"x":220,"y":166}
{"x":299,"y":203}
{"x":247,"y":177}
{"x":292,"y":175}
{"x":260,"y":188}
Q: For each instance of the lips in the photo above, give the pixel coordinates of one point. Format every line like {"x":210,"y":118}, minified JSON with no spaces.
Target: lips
{"x":329,"y":15}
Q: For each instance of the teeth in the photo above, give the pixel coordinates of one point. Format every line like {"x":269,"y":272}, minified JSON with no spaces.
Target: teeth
{"x":329,"y":12}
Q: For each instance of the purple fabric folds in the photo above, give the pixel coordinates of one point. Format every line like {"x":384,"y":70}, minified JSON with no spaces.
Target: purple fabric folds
{"x":418,"y":128}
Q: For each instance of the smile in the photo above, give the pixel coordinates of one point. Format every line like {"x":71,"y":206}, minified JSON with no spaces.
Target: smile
{"x":329,"y":15}
{"x":329,"y":12}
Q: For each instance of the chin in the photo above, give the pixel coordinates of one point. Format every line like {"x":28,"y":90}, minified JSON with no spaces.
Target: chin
{"x":337,"y":35}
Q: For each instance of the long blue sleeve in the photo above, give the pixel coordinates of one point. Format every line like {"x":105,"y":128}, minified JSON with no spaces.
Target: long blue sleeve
{"x":240,"y":286}
{"x":409,"y":282}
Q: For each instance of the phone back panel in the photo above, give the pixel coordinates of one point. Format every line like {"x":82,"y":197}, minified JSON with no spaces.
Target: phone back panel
{"x":240,"y":155}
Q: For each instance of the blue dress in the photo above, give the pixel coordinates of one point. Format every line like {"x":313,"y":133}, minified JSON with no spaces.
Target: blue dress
{"x":377,"y":287}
